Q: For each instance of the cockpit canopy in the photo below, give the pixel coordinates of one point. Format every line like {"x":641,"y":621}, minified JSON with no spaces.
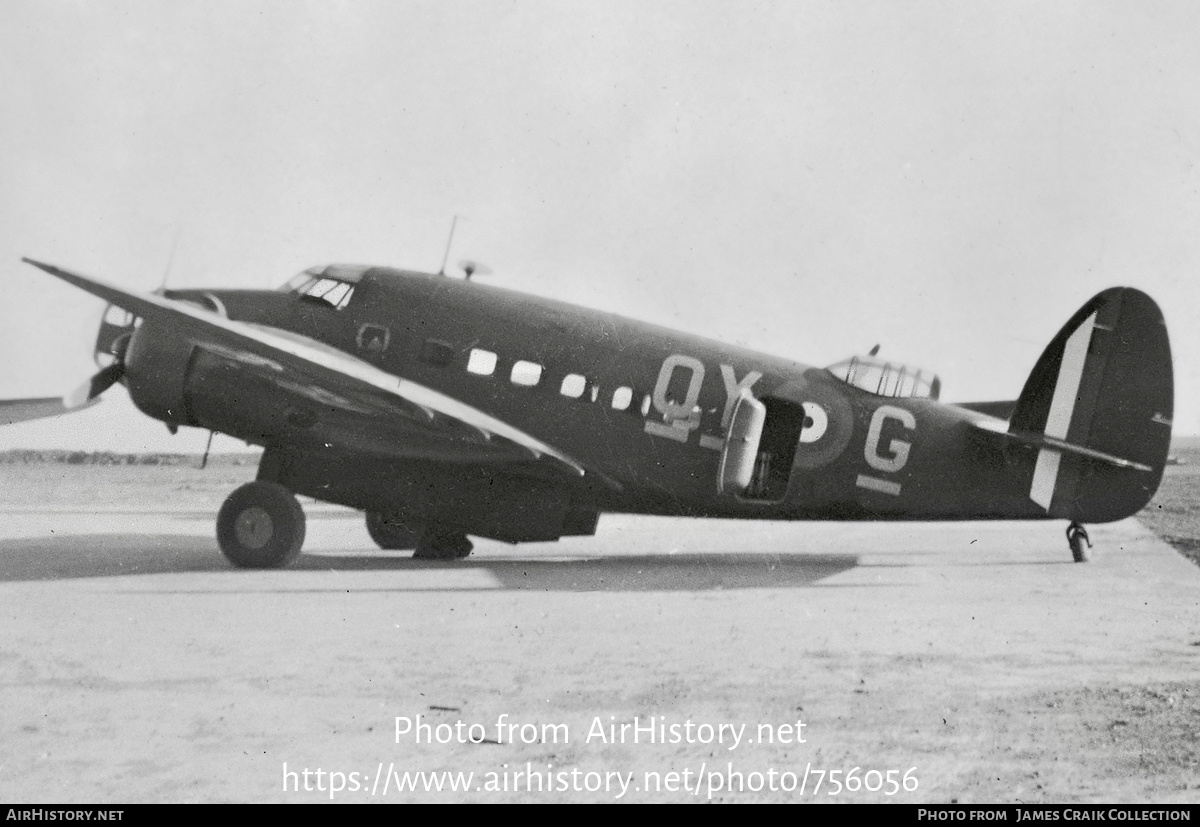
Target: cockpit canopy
{"x":332,"y":284}
{"x":874,"y":375}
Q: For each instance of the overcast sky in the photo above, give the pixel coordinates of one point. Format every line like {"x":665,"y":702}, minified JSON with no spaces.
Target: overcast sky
{"x":952,"y":180}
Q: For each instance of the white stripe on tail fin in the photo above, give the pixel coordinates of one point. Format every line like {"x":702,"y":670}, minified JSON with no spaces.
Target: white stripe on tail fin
{"x":1062,"y":406}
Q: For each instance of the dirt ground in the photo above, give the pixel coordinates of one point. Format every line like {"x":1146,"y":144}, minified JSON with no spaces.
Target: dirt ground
{"x":1174,"y":513}
{"x":972,"y":659}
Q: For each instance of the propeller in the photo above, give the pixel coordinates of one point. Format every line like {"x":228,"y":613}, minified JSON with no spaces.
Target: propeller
{"x":86,"y":395}
{"x":90,"y":390}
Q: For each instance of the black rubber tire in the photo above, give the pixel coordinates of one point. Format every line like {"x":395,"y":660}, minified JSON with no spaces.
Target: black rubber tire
{"x":1077,"y":539}
{"x":391,"y":534}
{"x":442,"y":544}
{"x":261,"y":526}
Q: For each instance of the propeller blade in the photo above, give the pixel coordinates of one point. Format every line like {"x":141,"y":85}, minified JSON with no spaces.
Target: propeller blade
{"x":86,"y":393}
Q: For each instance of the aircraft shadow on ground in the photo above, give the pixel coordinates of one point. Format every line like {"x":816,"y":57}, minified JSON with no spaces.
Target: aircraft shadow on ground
{"x":628,"y":573}
{"x":68,"y":557}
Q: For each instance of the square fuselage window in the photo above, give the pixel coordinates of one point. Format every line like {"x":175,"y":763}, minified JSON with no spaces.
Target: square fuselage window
{"x":525,"y":373}
{"x":481,"y":362}
{"x":573,"y":385}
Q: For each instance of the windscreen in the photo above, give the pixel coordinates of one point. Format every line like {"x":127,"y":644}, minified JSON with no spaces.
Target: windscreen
{"x":881,"y":378}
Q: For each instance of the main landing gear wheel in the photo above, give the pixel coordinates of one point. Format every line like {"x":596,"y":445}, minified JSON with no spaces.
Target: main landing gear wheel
{"x":1081,"y":545}
{"x":260,"y":526}
{"x":442,"y":544}
{"x":391,"y":534}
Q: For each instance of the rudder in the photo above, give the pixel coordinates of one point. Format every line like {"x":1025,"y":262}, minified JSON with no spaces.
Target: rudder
{"x":1104,"y":385}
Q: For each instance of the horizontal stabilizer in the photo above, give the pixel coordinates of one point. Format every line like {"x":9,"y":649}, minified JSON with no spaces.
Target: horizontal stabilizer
{"x":1041,"y":441}
{"x":1000,"y":410}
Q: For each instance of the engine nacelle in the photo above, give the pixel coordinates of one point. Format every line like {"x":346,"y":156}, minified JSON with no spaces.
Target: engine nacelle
{"x":172,"y":379}
{"x":157,"y":363}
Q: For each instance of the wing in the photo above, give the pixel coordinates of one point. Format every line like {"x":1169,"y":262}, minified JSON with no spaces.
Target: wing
{"x":361,"y":405}
{"x":21,"y":410}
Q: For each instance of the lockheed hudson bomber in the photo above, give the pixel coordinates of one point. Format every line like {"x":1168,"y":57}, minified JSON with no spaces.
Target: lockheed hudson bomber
{"x":444,"y":408}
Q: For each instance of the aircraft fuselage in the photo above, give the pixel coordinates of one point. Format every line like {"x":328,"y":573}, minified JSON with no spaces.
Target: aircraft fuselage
{"x":649,"y":408}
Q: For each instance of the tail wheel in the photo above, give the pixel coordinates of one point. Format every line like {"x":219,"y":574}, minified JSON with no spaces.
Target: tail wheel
{"x":1080,"y":543}
{"x":391,"y":533}
{"x":261,"y":526}
{"x":442,"y":544}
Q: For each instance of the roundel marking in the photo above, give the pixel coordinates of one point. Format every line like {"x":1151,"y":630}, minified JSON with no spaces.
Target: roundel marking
{"x":816,"y":422}
{"x":826,"y":438}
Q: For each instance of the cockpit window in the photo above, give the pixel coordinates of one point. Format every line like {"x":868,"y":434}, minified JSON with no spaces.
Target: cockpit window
{"x":882,"y":378}
{"x":313,"y":286}
{"x":298,"y":282}
{"x":334,"y":292}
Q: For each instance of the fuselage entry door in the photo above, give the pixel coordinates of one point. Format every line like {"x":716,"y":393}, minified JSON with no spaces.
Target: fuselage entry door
{"x":740,"y":450}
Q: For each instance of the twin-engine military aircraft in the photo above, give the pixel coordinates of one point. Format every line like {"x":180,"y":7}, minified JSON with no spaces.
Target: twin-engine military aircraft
{"x":444,"y":408}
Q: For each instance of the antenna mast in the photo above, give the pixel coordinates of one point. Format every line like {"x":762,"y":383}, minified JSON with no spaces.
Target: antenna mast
{"x":162,"y":288}
{"x":449,"y":241}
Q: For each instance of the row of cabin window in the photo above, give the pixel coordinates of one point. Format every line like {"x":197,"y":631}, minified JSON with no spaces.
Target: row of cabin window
{"x":528,"y":374}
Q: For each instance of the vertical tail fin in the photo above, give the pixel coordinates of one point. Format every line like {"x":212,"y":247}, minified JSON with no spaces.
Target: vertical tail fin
{"x":1104,"y":384}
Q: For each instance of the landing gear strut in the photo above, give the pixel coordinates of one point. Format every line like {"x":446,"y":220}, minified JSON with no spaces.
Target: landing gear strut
{"x":261,"y":526}
{"x":442,"y":544}
{"x":1081,"y":545}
